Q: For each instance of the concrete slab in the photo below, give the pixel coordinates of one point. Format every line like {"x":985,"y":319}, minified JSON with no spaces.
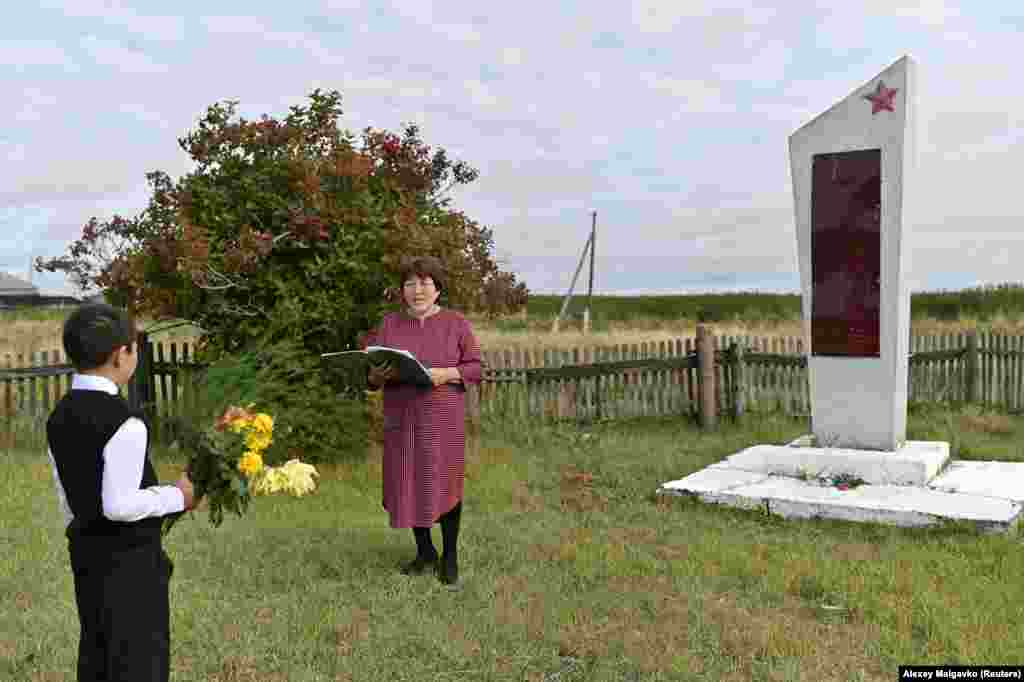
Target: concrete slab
{"x":981,"y":493}
{"x":1004,"y":480}
{"x":916,"y":463}
{"x":714,"y":485}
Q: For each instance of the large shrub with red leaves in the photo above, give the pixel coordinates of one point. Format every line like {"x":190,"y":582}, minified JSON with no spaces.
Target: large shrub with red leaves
{"x":290,"y":230}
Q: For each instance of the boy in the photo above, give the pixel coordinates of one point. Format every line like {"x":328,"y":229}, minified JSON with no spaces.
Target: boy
{"x":112,"y":505}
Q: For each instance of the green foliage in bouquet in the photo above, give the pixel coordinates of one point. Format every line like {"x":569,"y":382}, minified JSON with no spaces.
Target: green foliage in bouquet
{"x":214,"y":476}
{"x":225,"y":464}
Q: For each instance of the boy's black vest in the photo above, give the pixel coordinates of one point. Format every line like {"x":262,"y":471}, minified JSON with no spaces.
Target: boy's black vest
{"x":81,"y":425}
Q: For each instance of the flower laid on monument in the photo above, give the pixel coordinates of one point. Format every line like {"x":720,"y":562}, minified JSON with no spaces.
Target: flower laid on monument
{"x":226,"y":464}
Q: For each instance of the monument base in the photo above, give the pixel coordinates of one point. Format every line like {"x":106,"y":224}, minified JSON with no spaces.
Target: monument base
{"x":915,"y":486}
{"x":916,"y":463}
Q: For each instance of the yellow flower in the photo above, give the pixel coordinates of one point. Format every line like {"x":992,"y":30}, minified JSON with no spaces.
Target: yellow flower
{"x":294,"y":478}
{"x":270,"y":480}
{"x":300,"y":477}
{"x":263,"y":423}
{"x":250,"y":463}
{"x":257,"y":441}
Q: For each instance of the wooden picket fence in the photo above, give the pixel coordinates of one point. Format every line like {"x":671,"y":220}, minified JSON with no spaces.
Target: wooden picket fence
{"x":30,"y":387}
{"x":751,"y":373}
{"x":647,"y":379}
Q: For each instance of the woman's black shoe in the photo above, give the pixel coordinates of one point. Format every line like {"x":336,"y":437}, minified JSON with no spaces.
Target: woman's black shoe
{"x":448,"y":572}
{"x":419,"y":565}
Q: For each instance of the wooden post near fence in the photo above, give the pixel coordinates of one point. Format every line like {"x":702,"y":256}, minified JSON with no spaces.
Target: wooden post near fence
{"x":706,"y":363}
{"x":141,"y":386}
{"x":971,"y":367}
{"x":739,"y":382}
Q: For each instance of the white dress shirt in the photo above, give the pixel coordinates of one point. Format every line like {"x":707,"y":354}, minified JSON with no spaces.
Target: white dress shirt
{"x":123,"y":458}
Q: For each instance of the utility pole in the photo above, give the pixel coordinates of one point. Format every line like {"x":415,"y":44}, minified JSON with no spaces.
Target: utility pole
{"x":568,"y":296}
{"x":590,"y":289}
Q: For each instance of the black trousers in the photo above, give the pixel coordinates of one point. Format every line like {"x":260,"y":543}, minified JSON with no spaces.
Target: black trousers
{"x":124,"y":614}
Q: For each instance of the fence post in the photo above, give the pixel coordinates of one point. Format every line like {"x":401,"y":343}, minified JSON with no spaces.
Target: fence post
{"x":738,"y":381}
{"x":706,"y":363}
{"x":971,"y":375}
{"x":140,"y":388}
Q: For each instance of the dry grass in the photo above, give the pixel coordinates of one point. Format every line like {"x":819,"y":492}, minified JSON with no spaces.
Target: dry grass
{"x":26,"y":336}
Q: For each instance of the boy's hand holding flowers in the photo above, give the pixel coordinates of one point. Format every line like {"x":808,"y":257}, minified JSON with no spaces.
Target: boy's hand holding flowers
{"x":184,"y":484}
{"x":226,"y":466}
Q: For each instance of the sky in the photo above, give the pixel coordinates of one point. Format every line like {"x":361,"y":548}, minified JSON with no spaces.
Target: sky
{"x":669,"y":118}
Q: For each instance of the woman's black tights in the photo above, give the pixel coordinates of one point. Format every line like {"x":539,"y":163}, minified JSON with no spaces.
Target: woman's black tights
{"x":425,"y":551}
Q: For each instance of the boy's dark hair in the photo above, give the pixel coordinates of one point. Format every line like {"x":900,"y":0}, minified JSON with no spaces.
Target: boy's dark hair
{"x":93,"y":331}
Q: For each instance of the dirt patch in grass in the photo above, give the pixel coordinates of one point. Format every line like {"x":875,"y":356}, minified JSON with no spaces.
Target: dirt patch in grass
{"x":23,"y":601}
{"x":543,"y":552}
{"x":577,"y":492}
{"x":348,"y":635}
{"x":470,"y":648}
{"x":645,"y":640}
{"x":524,"y":500}
{"x":859,"y":551}
{"x":996,"y":424}
{"x":672,"y":552}
{"x":509,"y":612}
{"x":827,"y":651}
{"x":632,"y":536}
{"x":232,"y":631}
{"x":751,"y":637}
{"x":652,"y":584}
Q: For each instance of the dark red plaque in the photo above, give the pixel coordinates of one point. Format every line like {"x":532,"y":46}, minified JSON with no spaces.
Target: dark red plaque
{"x":846,"y":249}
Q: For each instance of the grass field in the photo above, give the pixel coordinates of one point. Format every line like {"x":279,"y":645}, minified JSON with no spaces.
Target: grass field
{"x":572,"y":566}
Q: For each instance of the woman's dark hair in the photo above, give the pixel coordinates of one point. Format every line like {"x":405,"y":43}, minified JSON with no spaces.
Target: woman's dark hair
{"x":92,"y":332}
{"x":423,"y":266}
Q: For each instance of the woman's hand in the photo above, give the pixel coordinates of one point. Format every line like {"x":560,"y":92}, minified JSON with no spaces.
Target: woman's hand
{"x":378,"y":375}
{"x":444,"y":375}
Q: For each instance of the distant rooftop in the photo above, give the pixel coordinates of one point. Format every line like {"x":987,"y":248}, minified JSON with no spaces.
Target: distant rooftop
{"x":11,"y":285}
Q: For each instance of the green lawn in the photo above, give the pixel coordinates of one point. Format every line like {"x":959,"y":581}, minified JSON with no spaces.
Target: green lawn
{"x":571,"y":564}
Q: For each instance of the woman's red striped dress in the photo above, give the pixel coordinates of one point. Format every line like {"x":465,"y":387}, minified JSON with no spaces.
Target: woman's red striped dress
{"x":425,"y":429}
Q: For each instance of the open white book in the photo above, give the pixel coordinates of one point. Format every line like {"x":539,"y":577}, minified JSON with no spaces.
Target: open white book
{"x":410,"y":370}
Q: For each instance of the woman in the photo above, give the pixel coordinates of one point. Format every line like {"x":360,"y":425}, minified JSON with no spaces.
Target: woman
{"x":424,"y":429}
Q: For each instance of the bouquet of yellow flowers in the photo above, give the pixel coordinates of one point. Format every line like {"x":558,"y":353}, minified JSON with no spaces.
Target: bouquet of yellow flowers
{"x":226,"y":465}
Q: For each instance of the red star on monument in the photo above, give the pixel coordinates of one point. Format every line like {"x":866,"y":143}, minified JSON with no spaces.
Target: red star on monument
{"x":881,"y":98}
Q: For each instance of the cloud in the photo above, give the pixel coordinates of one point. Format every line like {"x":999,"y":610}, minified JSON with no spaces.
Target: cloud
{"x":423,"y":13}
{"x":660,"y":16}
{"x":512,"y":56}
{"x":24,"y":54}
{"x":481,"y":95}
{"x":250,"y":26}
{"x":33,"y":104}
{"x":694,"y":95}
{"x":124,"y":60}
{"x":163,"y":28}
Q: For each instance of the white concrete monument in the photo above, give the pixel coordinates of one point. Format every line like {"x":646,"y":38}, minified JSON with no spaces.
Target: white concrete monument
{"x":852,"y":169}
